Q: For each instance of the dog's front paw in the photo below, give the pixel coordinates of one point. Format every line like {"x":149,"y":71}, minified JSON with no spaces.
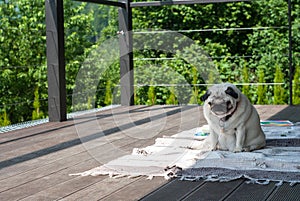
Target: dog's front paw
{"x":238,"y":149}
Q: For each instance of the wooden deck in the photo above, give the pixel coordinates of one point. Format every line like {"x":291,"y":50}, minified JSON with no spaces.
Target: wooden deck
{"x":35,"y":162}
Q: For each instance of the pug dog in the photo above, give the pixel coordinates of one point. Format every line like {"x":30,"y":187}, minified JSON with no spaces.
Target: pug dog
{"x":234,"y":123}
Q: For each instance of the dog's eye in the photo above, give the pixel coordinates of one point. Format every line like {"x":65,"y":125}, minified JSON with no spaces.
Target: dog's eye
{"x":231,"y":92}
{"x":209,"y":103}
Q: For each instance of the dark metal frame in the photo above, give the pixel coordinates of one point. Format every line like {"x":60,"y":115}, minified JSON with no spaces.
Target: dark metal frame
{"x":179,"y":2}
{"x":57,"y":100}
{"x":126,"y":54}
{"x":56,"y":59}
{"x":291,"y":68}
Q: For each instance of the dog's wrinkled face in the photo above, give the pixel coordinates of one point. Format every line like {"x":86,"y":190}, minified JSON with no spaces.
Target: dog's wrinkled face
{"x":222,"y":99}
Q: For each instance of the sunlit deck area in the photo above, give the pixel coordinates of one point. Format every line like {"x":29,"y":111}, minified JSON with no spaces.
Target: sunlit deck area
{"x":36,"y":162}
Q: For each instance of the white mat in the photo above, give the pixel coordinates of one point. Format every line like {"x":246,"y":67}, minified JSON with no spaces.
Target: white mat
{"x":169,"y":157}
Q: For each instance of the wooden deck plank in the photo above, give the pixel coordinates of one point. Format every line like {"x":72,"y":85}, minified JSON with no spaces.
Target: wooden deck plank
{"x":37,"y":137}
{"x":133,"y":191}
{"x":47,"y":181}
{"x":101,"y":189}
{"x":74,"y":185}
{"x":174,"y":190}
{"x":51,"y":136}
{"x":47,"y":130}
{"x":16,"y":135}
{"x":248,"y":192}
{"x":35,"y":147}
{"x":267,"y":111}
{"x":285,"y":192}
{"x":80,"y":160}
{"x":43,"y":160}
{"x":291,"y":113}
{"x":105,"y":153}
{"x":64,"y":188}
{"x":208,"y":191}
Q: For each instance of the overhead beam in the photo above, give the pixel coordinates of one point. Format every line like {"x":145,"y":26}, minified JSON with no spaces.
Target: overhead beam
{"x":104,"y":2}
{"x":57,"y":106}
{"x":181,"y":2}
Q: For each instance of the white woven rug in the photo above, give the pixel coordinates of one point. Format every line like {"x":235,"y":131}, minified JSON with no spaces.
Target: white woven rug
{"x":170,"y":157}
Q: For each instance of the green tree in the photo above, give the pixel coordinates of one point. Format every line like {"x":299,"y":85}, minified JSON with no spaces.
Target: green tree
{"x":261,"y":47}
{"x":268,"y":46}
{"x":261,"y":88}
{"x":246,"y":87}
{"x":279,"y":91}
{"x":296,"y":86}
{"x":79,"y":36}
{"x":172,"y":100}
{"x":151,"y":95}
{"x":4,"y":119}
{"x":108,"y":93}
{"x":22,"y":56}
{"x":37,"y":113}
{"x":195,"y":92}
{"x":23,"y":53}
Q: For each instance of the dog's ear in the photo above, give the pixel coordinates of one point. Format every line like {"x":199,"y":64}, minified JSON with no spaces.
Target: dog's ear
{"x":205,"y":96}
{"x":231,"y":92}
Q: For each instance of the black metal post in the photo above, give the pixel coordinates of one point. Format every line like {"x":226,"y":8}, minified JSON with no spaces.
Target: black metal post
{"x":126,"y":54}
{"x":57,"y":107}
{"x":291,"y":69}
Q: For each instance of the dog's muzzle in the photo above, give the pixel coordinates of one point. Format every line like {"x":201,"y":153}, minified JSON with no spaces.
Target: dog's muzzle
{"x":222,"y":108}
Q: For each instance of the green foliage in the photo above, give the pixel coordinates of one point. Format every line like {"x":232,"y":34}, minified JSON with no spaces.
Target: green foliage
{"x":89,"y":103}
{"x":194,"y":97}
{"x":23,"y":54}
{"x":268,"y":47}
{"x":22,"y":57}
{"x":296,"y":86}
{"x":108,"y":93}
{"x":37,"y":113}
{"x":172,"y":100}
{"x":246,"y":87}
{"x":247,"y":56}
{"x":279,"y":91}
{"x":261,"y":88}
{"x":4,"y":119}
{"x":151,"y":96}
{"x":80,"y":34}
